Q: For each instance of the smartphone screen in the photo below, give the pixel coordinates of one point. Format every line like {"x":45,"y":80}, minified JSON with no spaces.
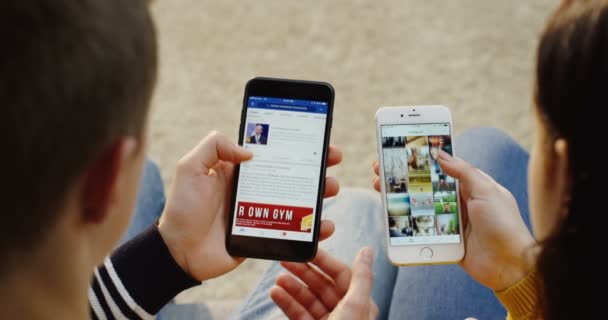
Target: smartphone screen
{"x":278,"y":190}
{"x":421,"y":199}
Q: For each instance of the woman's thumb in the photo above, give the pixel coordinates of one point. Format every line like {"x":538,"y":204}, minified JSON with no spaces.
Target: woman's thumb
{"x":456,"y":167}
{"x":362,"y":279}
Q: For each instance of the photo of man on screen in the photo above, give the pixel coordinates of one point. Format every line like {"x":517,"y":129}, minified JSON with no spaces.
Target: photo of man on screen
{"x":259,"y":134}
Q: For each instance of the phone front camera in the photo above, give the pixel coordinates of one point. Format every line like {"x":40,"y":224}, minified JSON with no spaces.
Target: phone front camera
{"x":401,"y":116}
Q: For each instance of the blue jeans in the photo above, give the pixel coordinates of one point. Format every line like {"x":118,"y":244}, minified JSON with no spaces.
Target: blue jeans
{"x":150,"y":201}
{"x":427,"y":292}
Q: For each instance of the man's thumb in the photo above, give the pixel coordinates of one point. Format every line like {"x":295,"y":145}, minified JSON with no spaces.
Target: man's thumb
{"x":215,"y":147}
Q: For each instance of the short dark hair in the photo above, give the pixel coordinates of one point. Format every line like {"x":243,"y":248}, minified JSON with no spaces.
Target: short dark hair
{"x":75,"y":75}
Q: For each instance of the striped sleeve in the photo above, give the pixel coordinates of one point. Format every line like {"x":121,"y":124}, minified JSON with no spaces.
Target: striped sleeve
{"x":137,"y":280}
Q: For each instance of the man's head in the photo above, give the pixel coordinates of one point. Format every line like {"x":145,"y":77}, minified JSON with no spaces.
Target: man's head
{"x":76,"y":78}
{"x":259,"y":129}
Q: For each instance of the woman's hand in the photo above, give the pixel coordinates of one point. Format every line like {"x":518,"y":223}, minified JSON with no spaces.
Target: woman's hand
{"x":498,"y":243}
{"x":327,"y":289}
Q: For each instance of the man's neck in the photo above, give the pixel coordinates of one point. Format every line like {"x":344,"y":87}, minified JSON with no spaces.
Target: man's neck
{"x":45,"y":285}
{"x":24,"y":299}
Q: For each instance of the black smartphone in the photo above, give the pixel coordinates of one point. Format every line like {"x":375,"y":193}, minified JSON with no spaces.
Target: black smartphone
{"x":278,"y":195}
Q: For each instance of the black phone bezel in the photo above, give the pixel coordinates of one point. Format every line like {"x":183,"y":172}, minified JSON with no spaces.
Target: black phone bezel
{"x":278,"y":249}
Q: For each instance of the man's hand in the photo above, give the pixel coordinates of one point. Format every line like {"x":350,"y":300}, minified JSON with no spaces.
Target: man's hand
{"x":327,"y":289}
{"x":498,"y":243}
{"x":193,"y":224}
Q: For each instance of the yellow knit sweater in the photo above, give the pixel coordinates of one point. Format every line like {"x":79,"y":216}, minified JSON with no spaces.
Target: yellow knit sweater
{"x":521,"y":300}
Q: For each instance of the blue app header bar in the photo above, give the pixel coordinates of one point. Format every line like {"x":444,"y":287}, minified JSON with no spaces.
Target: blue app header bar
{"x":281,"y":104}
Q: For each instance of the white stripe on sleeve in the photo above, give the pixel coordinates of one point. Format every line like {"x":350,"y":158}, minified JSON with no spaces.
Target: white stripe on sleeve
{"x":95,"y":305}
{"x":106,"y":294}
{"x":124,"y":293}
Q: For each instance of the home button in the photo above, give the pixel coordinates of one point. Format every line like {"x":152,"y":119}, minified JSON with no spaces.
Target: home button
{"x":426,"y":253}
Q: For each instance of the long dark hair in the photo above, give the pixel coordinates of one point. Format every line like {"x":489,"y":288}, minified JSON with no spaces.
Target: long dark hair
{"x":571,"y":93}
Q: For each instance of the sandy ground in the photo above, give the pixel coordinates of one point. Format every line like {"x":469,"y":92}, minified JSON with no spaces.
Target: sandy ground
{"x":473,"y":55}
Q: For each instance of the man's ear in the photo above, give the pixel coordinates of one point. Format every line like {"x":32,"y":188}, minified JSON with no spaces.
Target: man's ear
{"x":562,"y":172}
{"x":100,"y":179}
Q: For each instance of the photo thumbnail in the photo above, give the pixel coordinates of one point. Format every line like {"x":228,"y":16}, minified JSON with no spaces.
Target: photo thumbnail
{"x":445,"y":202}
{"x":439,"y":142}
{"x":257,"y":133}
{"x":395,"y":170}
{"x":393,"y":142}
{"x":398,"y":204}
{"x":422,"y":204}
{"x":418,"y":158}
{"x":400,"y":227}
{"x":443,"y":182}
{"x":447,"y":224}
{"x":420,"y":183}
{"x":424,"y":225}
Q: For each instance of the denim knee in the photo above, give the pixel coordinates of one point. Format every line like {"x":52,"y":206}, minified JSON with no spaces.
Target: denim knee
{"x":363,"y":201}
{"x":484,"y":146}
{"x":151,"y":180}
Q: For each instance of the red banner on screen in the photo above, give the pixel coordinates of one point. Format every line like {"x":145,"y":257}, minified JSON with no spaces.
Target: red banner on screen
{"x":270,"y":216}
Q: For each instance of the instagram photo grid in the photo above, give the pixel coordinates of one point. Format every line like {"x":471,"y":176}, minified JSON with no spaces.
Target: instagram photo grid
{"x":421,"y":198}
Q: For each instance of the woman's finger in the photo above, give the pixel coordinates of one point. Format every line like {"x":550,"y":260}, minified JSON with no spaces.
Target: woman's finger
{"x":322,"y":286}
{"x":376,"y":167}
{"x":357,"y":302}
{"x":290,"y":306}
{"x":338,"y":271}
{"x":302,"y":295}
{"x":362,"y":275}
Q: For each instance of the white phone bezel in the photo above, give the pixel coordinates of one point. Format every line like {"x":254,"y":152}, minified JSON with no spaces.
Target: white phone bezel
{"x":412,"y":254}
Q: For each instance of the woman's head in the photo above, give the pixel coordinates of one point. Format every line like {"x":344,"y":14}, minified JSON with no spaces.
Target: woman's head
{"x":566,"y":179}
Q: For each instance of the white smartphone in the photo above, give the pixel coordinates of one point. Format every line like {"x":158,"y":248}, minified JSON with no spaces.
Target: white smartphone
{"x":421,"y":203}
